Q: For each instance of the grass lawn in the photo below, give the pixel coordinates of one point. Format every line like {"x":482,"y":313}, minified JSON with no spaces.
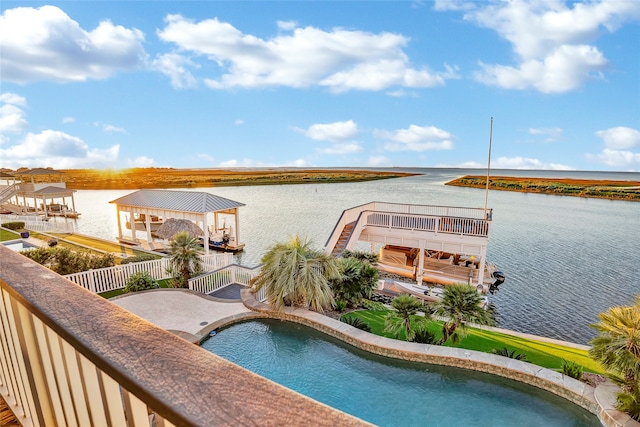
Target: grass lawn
{"x":8,"y":235}
{"x":540,"y":353}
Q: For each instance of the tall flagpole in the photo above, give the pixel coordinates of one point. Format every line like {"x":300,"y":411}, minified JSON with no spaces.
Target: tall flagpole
{"x":486,"y":195}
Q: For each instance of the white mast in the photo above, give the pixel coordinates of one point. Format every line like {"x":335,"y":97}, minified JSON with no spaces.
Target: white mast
{"x":486,"y":195}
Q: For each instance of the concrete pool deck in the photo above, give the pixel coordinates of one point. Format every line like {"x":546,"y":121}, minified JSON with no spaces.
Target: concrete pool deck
{"x":185,"y":313}
{"x":193,"y":315}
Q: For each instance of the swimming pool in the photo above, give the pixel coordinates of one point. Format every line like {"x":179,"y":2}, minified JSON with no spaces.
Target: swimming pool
{"x":18,"y":245}
{"x":385,"y":391}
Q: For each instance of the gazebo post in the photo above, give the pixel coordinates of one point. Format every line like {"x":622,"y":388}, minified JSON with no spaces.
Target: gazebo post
{"x":118,"y":219}
{"x":236,"y":216}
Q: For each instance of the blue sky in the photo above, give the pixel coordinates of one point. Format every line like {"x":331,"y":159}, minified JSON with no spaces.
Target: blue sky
{"x":109,"y":84}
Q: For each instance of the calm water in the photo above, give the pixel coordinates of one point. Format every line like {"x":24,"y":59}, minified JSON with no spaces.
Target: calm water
{"x":566,"y":259}
{"x":385,"y":391}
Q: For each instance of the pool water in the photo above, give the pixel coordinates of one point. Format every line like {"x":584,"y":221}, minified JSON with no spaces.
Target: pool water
{"x":385,"y":391}
{"x":18,"y":245}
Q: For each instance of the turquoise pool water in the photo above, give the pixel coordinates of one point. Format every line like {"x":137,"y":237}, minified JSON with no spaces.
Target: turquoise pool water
{"x":385,"y":391}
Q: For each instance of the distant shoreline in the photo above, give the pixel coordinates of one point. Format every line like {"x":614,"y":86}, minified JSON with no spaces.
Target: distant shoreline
{"x":149,"y":178}
{"x":601,"y":189}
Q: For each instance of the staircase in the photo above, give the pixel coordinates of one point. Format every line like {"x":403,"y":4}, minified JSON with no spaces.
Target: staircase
{"x":341,"y":244}
{"x":8,"y":192}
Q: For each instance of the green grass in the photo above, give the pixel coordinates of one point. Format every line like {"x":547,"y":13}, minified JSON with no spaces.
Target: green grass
{"x":8,"y":235}
{"x":540,"y":353}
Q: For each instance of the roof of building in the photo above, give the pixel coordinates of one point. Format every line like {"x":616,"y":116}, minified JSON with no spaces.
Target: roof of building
{"x":52,"y":190}
{"x":174,"y":200}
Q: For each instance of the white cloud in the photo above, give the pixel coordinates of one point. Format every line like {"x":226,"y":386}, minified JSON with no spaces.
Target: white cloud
{"x":68,"y":120}
{"x":525,"y":163}
{"x":48,"y":148}
{"x":618,"y":159}
{"x":46,"y":44}
{"x":56,"y":149}
{"x":550,"y":39}
{"x":620,"y":138}
{"x":338,"y":59}
{"x":175,"y":66}
{"x":349,"y":148}
{"x":287,"y":25}
{"x":416,"y":138}
{"x":551,"y":134}
{"x":12,"y":117}
{"x":618,"y":142}
{"x":337,"y":131}
{"x":378,"y":161}
{"x":238,"y":122}
{"x":141,"y":162}
{"x":13,"y":99}
{"x":112,"y":128}
{"x":563,"y":70}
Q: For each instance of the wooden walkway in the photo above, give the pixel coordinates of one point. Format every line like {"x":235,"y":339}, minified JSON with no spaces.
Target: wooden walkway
{"x":7,"y":419}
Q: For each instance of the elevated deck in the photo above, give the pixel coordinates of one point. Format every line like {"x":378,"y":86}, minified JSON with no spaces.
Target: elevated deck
{"x":415,"y":233}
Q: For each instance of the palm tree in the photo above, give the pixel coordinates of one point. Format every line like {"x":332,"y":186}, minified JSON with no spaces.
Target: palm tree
{"x":405,"y":308}
{"x":184,"y":260}
{"x":617,"y":348}
{"x":358,"y":277}
{"x":461,"y":304}
{"x":293,"y":273}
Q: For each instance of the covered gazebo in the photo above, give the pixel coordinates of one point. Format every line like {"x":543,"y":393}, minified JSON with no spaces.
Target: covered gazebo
{"x":203,"y":208}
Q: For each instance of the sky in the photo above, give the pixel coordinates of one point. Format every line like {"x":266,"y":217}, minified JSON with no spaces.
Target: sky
{"x":553,"y":85}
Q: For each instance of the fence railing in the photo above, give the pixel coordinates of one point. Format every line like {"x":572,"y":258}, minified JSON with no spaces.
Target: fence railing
{"x":113,"y":278}
{"x":70,"y":358}
{"x":38,"y":223}
{"x":445,"y":219}
{"x":222,"y":277}
{"x":454,"y":225}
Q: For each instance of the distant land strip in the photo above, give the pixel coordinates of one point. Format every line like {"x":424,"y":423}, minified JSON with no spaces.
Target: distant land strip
{"x":138,"y":178}
{"x":601,"y":189}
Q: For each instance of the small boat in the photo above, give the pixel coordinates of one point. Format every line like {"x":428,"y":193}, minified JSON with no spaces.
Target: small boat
{"x":140,"y":222}
{"x":222,"y":240}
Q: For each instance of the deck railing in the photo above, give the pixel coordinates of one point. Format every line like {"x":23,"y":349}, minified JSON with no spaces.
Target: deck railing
{"x":443,"y":219}
{"x":71,"y":358}
{"x":113,"y":278}
{"x":39,"y":224}
{"x":222,"y":277}
{"x":436,"y":224}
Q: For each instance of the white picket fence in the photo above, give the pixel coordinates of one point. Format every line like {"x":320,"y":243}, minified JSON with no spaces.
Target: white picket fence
{"x":222,"y":277}
{"x":39,"y":224}
{"x":112,"y":278}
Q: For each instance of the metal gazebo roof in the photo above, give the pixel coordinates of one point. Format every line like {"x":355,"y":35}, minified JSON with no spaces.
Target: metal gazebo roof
{"x":175,"y":200}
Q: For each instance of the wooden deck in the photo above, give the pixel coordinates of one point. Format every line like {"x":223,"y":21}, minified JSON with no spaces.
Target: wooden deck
{"x":7,"y":419}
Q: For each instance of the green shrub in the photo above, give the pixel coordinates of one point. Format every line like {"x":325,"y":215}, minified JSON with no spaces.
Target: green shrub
{"x":356,"y":322}
{"x":423,"y":335}
{"x":505,"y":352}
{"x":16,"y":225}
{"x":341,"y":305}
{"x":140,"y":281}
{"x":374,"y":305}
{"x":65,"y":261}
{"x":571,"y":369}
{"x":138,"y":258}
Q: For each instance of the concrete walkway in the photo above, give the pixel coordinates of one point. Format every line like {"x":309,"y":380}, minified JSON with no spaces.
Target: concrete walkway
{"x":186,"y":313}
